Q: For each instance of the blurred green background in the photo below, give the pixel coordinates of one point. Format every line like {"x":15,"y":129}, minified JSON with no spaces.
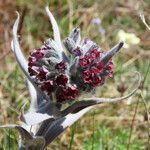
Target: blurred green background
{"x":120,"y":126}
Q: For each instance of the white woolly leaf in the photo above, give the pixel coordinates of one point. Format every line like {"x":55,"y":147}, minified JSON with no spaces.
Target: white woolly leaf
{"x":56,"y":31}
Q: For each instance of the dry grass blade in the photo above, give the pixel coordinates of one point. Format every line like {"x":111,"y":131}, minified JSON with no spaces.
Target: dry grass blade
{"x":143,"y":20}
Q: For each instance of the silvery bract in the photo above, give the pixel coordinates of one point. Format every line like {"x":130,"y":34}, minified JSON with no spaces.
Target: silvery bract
{"x":55,"y":77}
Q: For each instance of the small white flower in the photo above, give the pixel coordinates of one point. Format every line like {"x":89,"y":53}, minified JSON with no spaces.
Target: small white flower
{"x":128,"y":38}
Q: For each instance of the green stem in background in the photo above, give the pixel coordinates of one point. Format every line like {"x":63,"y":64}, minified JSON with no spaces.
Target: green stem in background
{"x":145,"y":105}
{"x":136,"y":108}
{"x":146,"y":75}
{"x":73,"y":130}
{"x":132,"y":124}
{"x":93,"y":119}
{"x":9,"y":142}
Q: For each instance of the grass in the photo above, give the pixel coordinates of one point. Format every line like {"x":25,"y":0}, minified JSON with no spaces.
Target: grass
{"x":107,"y":139}
{"x":110,"y":127}
{"x":73,"y":130}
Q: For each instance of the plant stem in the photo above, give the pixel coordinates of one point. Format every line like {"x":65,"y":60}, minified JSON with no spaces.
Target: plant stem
{"x":93,"y":117}
{"x":9,"y":139}
{"x":73,"y":130}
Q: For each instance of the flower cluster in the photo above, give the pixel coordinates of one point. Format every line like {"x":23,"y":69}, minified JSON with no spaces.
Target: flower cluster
{"x":56,"y":76}
{"x":92,"y":72}
{"x":51,"y":75}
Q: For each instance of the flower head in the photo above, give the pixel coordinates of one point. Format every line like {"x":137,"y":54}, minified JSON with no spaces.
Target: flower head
{"x":61,"y":80}
{"x":85,"y":67}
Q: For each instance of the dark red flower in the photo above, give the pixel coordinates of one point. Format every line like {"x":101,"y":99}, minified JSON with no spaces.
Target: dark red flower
{"x":37,"y":54}
{"x":84,"y":62}
{"x":48,"y":86}
{"x":109,"y":69}
{"x":32,"y":61}
{"x":60,"y":66}
{"x":71,"y":92}
{"x":60,"y":97}
{"x":61,"y":80}
{"x":90,"y":77}
{"x":42,"y":73}
{"x":109,"y":66}
{"x":31,"y":71}
{"x":87,"y":76}
{"x":97,"y":68}
{"x":94,"y":54}
{"x":96,"y":80}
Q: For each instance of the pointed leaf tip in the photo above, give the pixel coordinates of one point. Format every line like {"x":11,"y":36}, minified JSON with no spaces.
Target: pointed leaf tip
{"x":111,"y":53}
{"x":75,"y":35}
{"x":16,"y":47}
{"x":120,"y":45}
{"x":15,"y":27}
{"x":55,"y":27}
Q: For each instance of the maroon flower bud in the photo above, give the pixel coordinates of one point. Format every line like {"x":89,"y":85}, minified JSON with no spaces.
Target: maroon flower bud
{"x":60,"y":97}
{"x":61,"y":80}
{"x":32,"y":61}
{"x":84,"y":62}
{"x":42,"y":73}
{"x":87,"y":76}
{"x":97,"y":67}
{"x":71,"y":92}
{"x":37,"y":54}
{"x":60,"y":66}
{"x":96,"y":81}
{"x":47,"y":86}
{"x":31,"y":71}
{"x":108,"y":69}
{"x":94,"y":54}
